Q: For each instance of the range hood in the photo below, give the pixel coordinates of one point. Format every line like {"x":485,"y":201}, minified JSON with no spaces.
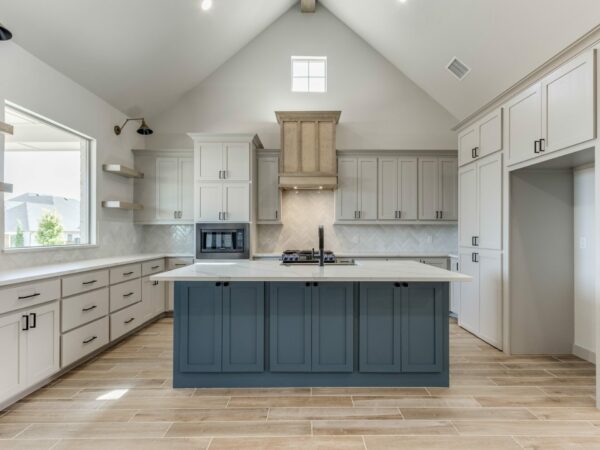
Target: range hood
{"x":308,"y":151}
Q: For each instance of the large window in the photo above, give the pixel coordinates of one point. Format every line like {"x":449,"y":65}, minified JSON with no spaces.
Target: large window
{"x":49,"y":168}
{"x":309,"y":74}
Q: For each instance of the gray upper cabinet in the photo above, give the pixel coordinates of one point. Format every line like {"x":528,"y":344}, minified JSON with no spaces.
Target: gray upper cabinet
{"x":397,"y":188}
{"x":269,"y":194}
{"x":438,"y":189}
{"x":356,"y":196}
{"x":481,"y":139}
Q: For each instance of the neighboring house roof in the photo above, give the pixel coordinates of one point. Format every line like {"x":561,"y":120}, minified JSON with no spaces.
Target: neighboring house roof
{"x":27,"y":209}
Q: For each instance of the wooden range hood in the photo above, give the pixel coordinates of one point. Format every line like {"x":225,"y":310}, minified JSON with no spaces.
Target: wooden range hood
{"x":308,"y":151}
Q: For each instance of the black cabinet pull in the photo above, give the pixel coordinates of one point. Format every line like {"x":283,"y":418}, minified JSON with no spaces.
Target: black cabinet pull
{"x":26,"y":326}
{"x":155,"y":267}
{"x":85,"y":283}
{"x":404,"y":284}
{"x":155,"y":283}
{"x":535,"y":146}
{"x":307,"y":284}
{"x":130,"y":320}
{"x":89,"y":309}
{"x":441,"y":214}
{"x":33,"y":320}
{"x":128,"y":295}
{"x":315,"y":284}
{"x":226,"y":284}
{"x":396,"y":284}
{"x":218,"y":283}
{"x":93,"y":338}
{"x":542,"y":146}
{"x":180,"y":264}
{"x":475,"y":257}
{"x":476,"y":152}
{"x":126,"y":274}
{"x":473,"y":153}
{"x":24,"y":297}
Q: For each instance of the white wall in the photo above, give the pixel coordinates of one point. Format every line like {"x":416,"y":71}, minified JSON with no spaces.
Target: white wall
{"x":584,"y":263}
{"x":381,"y":108}
{"x":32,"y":84}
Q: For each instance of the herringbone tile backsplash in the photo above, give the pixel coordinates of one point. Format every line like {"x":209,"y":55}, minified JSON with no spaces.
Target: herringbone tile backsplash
{"x":304,"y":211}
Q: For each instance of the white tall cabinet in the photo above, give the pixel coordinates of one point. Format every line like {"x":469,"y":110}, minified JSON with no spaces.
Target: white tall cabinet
{"x":223,"y":165}
{"x":268,"y":197}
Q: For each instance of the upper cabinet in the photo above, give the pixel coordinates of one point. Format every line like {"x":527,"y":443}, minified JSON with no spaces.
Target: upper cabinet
{"x":438,"y":188}
{"x":356,"y":196}
{"x":308,"y":149}
{"x":398,"y":188}
{"x":166,"y":191}
{"x":222,"y":161}
{"x":268,"y":197}
{"x":554,"y":114}
{"x":481,"y":139}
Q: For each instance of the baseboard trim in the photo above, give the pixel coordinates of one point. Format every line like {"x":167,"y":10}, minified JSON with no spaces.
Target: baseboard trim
{"x":584,"y":353}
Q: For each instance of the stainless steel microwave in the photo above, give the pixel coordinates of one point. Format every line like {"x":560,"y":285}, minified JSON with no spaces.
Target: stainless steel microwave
{"x":222,"y":241}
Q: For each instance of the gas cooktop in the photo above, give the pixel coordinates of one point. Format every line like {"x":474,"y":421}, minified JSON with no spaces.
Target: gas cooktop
{"x":312,"y":257}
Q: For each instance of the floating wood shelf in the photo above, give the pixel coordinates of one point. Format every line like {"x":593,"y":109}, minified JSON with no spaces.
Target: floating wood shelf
{"x":124,"y":171}
{"x":6,"y":187}
{"x":6,"y":128}
{"x":118,"y":204}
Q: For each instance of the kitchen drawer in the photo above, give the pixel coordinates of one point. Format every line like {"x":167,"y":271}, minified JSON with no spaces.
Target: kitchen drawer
{"x":84,"y":308}
{"x":27,"y":295}
{"x":81,"y":342}
{"x":125,"y":294}
{"x":83,"y":282}
{"x":125,"y":273}
{"x":176,"y":263}
{"x":125,"y":320}
{"x":152,"y":267}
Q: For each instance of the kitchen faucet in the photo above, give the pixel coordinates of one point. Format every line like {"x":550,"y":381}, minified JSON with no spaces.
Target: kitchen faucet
{"x":321,"y":246}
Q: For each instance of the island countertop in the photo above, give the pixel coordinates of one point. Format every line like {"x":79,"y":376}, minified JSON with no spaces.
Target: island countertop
{"x":247,"y":270}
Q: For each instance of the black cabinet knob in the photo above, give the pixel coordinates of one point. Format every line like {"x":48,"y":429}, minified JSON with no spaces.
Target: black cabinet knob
{"x":307,"y":284}
{"x":218,"y":283}
{"x":315,"y":284}
{"x":404,"y":284}
{"x":226,"y":284}
{"x":396,"y":284}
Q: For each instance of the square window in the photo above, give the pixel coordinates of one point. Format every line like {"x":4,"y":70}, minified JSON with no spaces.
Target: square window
{"x":309,"y":74}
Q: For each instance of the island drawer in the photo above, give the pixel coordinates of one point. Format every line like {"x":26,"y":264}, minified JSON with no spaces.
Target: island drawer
{"x":152,"y":267}
{"x":125,"y":294}
{"x":81,"y":342}
{"x":83,"y":282}
{"x":125,"y":273}
{"x":84,"y":308}
{"x":27,"y":295}
{"x":125,"y":320}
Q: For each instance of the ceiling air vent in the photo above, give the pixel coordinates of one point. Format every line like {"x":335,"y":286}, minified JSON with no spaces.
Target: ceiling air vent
{"x":458,"y":68}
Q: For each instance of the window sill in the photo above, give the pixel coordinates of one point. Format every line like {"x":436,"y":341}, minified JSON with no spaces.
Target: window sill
{"x":48,"y":249}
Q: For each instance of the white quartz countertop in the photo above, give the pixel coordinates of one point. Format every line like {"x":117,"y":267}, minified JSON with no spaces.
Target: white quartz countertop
{"x":275,"y":271}
{"x":366,"y":255}
{"x":34,"y":273}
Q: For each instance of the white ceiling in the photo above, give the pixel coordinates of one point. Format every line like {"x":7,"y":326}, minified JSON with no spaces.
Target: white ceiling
{"x":142,"y":55}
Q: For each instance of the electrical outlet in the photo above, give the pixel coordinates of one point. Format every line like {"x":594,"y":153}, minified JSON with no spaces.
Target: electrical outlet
{"x":582,"y":243}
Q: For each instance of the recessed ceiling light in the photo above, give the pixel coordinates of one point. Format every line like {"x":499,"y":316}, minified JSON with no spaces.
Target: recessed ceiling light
{"x":401,"y":1}
{"x":206,"y":5}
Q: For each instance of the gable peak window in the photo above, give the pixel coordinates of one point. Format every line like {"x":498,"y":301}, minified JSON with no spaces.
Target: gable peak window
{"x":309,"y":74}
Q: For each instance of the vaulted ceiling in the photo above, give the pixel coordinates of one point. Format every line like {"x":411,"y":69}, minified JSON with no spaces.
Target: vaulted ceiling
{"x":143,"y":55}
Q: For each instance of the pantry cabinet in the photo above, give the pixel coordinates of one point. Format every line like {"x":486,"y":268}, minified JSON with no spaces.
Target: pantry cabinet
{"x":268,"y":192}
{"x":438,"y":189}
{"x":397,"y":188}
{"x":356,"y":196}
{"x":481,"y":139}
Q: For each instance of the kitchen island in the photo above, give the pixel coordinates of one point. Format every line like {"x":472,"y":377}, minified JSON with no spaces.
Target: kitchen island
{"x":264,"y":324}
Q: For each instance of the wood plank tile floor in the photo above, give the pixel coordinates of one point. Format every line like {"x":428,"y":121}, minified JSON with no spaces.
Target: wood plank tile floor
{"x":123,"y":400}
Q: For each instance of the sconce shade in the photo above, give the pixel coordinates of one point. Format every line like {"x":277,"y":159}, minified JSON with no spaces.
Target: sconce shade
{"x":5,"y":34}
{"x":144,"y":129}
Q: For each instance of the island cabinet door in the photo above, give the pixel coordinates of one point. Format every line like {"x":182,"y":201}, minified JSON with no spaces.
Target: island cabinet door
{"x":379,"y":328}
{"x":332,"y":327}
{"x":290,"y":327}
{"x":423,"y":313}
{"x":198,"y":316}
{"x":243,"y":327}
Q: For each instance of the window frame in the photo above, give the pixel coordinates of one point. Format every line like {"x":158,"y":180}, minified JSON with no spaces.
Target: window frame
{"x":308,"y":59}
{"x":88,"y":169}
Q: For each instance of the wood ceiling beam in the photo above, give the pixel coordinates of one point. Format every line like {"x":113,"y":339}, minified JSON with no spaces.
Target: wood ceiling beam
{"x":308,"y":6}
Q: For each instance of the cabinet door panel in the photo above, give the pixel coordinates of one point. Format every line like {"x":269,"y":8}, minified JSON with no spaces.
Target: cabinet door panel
{"x":490,"y":133}
{"x":380,"y":314}
{"x":423,"y":313}
{"x":243,"y":327}
{"x":208,"y":161}
{"x":428,"y":188}
{"x":42,"y":340}
{"x":524,"y":122}
{"x":236,"y":161}
{"x":268,"y":188}
{"x":236,"y":202}
{"x":198,"y":311}
{"x":167,"y":188}
{"x":148,"y":299}
{"x":332,"y":327}
{"x":490,"y":295}
{"x":568,"y":103}
{"x":468,"y":214}
{"x":12,"y":377}
{"x":367,"y":188}
{"x":469,"y":293}
{"x":407,"y":188}
{"x":347,"y":191}
{"x":186,"y":188}
{"x":467,"y":141}
{"x":489,"y":192}
{"x":448,"y":196}
{"x":290,"y":327}
{"x":209,"y":202}
{"x":455,"y":288}
{"x":388,"y":188}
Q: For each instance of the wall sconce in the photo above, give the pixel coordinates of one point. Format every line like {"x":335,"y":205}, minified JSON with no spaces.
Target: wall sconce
{"x":144,"y":129}
{"x":5,"y":34}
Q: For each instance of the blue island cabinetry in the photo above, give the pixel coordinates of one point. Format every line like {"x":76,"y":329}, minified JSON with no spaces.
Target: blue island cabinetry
{"x":262,"y":334}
